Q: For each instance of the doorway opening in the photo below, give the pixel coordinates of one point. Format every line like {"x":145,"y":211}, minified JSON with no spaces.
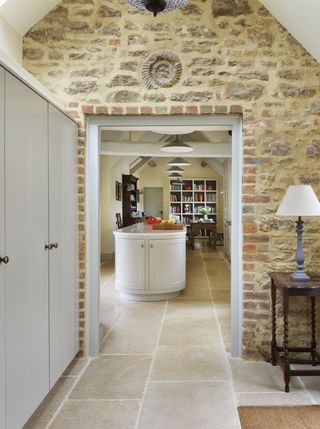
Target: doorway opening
{"x":209,"y":162}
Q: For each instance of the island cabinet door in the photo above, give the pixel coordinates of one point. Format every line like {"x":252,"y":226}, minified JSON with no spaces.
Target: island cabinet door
{"x":167,"y":264}
{"x":130,"y":264}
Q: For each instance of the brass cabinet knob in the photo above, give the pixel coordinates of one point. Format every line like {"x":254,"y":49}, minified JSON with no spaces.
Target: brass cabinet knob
{"x":55,"y":245}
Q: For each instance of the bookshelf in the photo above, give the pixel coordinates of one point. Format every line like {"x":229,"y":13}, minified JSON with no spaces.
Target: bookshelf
{"x":188,"y":196}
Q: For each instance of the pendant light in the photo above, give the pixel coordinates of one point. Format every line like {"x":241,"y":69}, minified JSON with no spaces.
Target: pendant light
{"x":177,"y":146}
{"x":175,"y":169}
{"x":174,"y":176}
{"x":156,"y":6}
{"x":179,"y":161}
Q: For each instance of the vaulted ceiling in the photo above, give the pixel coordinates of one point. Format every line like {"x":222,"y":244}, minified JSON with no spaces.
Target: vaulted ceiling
{"x":301,"y":18}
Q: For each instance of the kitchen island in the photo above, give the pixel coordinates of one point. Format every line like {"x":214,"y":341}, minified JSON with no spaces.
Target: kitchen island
{"x":150,"y":264}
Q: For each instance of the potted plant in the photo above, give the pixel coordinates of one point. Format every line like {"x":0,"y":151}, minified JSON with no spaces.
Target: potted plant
{"x":204,"y":211}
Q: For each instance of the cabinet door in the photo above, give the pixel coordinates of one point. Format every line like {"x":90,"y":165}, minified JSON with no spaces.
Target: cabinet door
{"x":2,"y":266}
{"x":167,"y":264}
{"x":26,"y":216}
{"x":63,"y":230}
{"x":130,"y":264}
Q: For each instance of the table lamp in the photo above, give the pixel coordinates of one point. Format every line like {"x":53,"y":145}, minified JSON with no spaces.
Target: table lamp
{"x":299,"y":200}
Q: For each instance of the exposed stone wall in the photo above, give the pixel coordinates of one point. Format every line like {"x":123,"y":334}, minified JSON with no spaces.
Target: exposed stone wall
{"x":235,"y":58}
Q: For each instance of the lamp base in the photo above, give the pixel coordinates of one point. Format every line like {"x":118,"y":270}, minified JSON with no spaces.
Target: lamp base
{"x":300,"y":276}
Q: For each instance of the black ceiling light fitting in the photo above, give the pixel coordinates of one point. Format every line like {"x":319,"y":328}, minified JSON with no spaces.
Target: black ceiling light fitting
{"x":156,"y":6}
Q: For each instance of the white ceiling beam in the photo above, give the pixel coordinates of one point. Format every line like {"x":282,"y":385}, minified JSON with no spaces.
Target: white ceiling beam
{"x":201,"y":150}
{"x":216,"y":165}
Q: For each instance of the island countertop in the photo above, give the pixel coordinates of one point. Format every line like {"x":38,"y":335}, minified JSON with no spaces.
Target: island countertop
{"x":146,"y":230}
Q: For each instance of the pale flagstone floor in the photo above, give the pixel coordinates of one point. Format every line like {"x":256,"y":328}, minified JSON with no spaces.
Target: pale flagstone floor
{"x":166,"y":365}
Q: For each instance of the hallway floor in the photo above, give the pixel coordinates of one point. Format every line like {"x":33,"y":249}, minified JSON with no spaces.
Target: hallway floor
{"x":166,"y":365}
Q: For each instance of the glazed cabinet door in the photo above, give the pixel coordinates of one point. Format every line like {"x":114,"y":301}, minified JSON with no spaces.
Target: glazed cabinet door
{"x":63,"y":235}
{"x":130,"y":264}
{"x":2,"y":264}
{"x":26,"y":225}
{"x":167,"y":264}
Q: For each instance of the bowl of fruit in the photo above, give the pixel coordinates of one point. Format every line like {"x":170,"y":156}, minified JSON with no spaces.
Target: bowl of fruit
{"x":153,"y":220}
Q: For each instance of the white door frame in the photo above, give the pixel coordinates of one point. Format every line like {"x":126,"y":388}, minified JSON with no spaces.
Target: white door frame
{"x":227,"y":122}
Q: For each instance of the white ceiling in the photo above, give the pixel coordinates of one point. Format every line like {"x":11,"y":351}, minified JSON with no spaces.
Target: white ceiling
{"x":300,"y":17}
{"x":24,"y":14}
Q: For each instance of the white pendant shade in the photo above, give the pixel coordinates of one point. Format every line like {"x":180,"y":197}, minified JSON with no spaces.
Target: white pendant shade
{"x":179,"y":161}
{"x":299,"y":200}
{"x":175,"y":169}
{"x":177,"y":146}
{"x":175,"y":176}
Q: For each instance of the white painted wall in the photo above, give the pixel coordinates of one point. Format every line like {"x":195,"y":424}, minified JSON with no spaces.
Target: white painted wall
{"x":10,"y":41}
{"x":111,"y":170}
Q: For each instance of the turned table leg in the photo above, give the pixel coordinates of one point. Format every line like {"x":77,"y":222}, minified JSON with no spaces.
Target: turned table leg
{"x":274,"y":324}
{"x":285,"y":297}
{"x":313,"y":330}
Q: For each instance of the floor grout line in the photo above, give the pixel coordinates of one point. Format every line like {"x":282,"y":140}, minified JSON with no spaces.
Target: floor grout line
{"x":151,"y":367}
{"x":66,"y":398}
{"x":233,"y":392}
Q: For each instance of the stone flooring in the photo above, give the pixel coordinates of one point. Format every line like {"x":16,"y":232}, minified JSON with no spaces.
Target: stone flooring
{"x":166,"y":364}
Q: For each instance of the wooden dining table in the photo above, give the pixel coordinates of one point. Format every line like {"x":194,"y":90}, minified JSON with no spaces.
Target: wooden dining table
{"x":197,"y":227}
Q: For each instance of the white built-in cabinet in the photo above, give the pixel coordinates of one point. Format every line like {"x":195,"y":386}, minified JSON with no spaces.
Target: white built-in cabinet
{"x":2,"y":271}
{"x":38,"y":233}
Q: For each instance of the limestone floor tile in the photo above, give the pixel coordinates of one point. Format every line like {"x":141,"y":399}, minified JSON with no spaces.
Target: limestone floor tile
{"x":197,"y":280}
{"x":218,"y":283}
{"x":221,"y":296}
{"x":273,"y":399}
{"x":203,"y":405}
{"x":195,"y":272}
{"x":226,"y":336}
{"x":260,"y":377}
{"x":113,"y":377}
{"x":129,"y":340}
{"x":217,"y":271}
{"x":75,"y":367}
{"x":223,"y":313}
{"x":311,"y":383}
{"x":97,"y":415}
{"x":185,"y":331}
{"x":189,"y":307}
{"x":190,"y":363}
{"x":49,"y":406}
{"x":196,"y":292}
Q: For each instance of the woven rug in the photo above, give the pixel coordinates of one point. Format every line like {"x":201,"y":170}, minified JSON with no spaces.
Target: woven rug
{"x":303,"y":417}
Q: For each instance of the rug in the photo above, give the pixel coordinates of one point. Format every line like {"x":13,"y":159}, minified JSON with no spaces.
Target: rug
{"x":289,"y":417}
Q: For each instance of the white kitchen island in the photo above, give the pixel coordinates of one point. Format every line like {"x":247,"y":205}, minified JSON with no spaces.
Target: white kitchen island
{"x":150,"y":264}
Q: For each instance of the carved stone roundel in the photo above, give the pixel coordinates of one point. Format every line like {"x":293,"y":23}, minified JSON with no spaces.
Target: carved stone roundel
{"x":161,"y":70}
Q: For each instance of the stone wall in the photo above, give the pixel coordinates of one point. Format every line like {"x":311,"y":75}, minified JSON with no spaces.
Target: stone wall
{"x":235,"y":58}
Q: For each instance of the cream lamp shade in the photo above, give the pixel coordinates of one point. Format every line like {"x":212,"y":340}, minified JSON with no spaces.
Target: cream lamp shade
{"x":299,"y":200}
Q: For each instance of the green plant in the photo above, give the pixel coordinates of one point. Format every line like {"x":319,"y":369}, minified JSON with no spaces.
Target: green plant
{"x":204,"y":211}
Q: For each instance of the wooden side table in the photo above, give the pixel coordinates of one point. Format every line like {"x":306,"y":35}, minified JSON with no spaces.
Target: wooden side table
{"x":288,"y":287}
{"x":196,"y":227}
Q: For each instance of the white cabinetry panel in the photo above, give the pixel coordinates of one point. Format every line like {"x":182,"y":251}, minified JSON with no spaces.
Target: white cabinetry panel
{"x":130,"y":264}
{"x":63,"y":230}
{"x":2,"y":266}
{"x":167,"y":264}
{"x":26,"y":214}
